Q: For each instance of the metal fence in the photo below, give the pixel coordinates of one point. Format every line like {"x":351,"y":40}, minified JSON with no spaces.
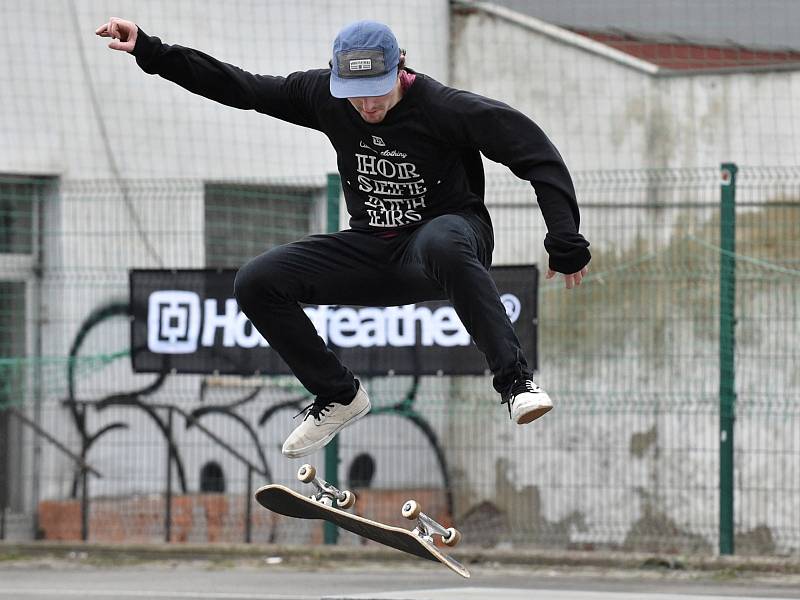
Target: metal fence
{"x":629,"y":459}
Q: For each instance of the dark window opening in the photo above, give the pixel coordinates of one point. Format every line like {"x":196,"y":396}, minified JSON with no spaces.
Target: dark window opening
{"x":243,"y":221}
{"x":212,"y":478}
{"x":361,"y":472}
{"x":19,"y":198}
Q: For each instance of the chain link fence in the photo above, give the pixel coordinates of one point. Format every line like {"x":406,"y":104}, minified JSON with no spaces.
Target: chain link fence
{"x":629,"y":459}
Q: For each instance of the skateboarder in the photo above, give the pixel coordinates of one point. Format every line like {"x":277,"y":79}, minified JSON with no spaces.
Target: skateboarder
{"x":408,"y":152}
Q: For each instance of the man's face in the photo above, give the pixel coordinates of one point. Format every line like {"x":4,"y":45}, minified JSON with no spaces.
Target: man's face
{"x":373,"y":109}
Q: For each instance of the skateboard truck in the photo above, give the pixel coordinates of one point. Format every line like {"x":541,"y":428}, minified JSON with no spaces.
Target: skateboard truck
{"x":326,"y":493}
{"x":426,"y":526}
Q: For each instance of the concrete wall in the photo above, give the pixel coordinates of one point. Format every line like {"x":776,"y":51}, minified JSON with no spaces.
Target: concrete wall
{"x":631,"y":457}
{"x":605,"y":112}
{"x":72,"y":107}
{"x":130,"y":152}
{"x":580,"y":99}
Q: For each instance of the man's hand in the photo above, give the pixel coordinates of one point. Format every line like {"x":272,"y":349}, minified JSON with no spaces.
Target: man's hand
{"x":572,"y":279}
{"x":123,"y":32}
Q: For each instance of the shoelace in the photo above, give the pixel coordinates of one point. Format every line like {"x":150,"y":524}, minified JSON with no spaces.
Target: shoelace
{"x":520,"y":386}
{"x":316,"y":409}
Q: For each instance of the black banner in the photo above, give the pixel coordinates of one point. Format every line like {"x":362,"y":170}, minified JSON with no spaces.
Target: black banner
{"x":188,"y":321}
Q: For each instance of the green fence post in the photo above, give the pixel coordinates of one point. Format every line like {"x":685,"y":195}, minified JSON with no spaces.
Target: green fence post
{"x":331,"y":533}
{"x":727,"y":339}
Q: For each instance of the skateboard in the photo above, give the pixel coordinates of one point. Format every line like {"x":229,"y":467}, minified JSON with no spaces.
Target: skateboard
{"x":320,"y":505}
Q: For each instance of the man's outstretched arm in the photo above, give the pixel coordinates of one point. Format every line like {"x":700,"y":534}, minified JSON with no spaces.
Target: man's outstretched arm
{"x":286,"y":98}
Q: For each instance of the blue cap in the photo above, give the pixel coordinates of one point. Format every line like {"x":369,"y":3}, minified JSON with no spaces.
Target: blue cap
{"x":365,"y":59}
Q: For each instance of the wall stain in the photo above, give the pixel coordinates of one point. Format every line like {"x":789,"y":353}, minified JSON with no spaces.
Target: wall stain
{"x":655,"y":531}
{"x":758,"y":541}
{"x":641,"y":442}
{"x":515,"y":516}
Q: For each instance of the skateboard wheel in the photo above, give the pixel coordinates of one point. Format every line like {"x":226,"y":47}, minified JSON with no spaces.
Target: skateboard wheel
{"x":306,"y":473}
{"x":348,"y":501}
{"x":452,"y":538}
{"x":411,"y":509}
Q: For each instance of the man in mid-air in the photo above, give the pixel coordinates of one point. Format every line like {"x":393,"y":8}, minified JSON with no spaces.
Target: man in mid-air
{"x":408,"y":152}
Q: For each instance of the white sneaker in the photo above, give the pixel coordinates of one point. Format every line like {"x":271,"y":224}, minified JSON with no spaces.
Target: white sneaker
{"x":526,"y":401}
{"x":322,"y":422}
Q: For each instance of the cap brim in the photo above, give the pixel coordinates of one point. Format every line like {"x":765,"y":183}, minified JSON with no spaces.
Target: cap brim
{"x":359,"y":87}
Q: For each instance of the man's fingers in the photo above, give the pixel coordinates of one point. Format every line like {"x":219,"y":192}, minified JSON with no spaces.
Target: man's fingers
{"x":117,"y":45}
{"x":581,"y":274}
{"x":570,"y":279}
{"x":121,"y":32}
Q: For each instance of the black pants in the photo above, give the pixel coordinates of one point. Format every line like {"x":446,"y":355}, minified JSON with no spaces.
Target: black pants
{"x":445,"y":258}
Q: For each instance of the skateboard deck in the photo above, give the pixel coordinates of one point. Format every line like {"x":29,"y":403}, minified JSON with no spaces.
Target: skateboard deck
{"x":285,"y":501}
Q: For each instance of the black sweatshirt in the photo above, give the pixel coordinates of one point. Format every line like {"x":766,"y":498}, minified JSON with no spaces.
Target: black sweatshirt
{"x":423,"y":160}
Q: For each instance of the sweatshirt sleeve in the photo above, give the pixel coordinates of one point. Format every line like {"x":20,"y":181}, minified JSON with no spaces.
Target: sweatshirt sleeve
{"x":507,"y":136}
{"x":287,"y":98}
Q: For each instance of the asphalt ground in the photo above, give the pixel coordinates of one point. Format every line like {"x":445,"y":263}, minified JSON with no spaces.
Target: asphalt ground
{"x":53,"y":571}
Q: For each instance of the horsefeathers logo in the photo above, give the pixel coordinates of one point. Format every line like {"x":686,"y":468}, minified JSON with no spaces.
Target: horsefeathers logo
{"x":179,"y":322}
{"x":173,"y":321}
